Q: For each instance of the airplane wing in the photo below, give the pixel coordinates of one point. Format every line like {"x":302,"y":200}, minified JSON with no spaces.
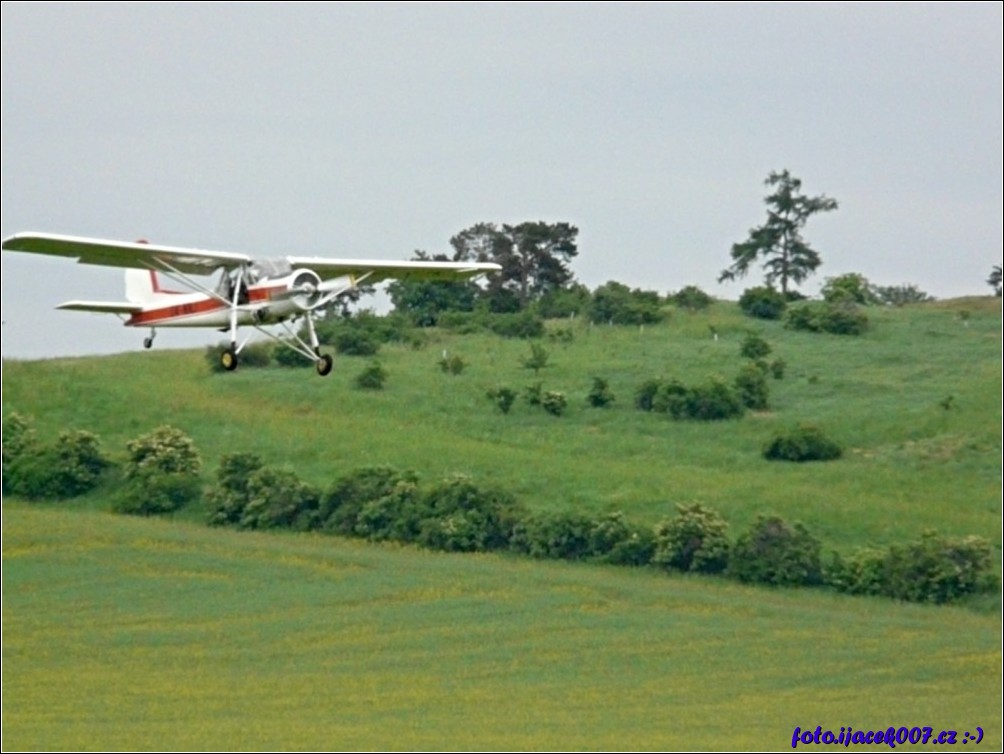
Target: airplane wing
{"x":140,"y":255}
{"x":147,"y":256}
{"x":102,"y":307}
{"x":370,"y":271}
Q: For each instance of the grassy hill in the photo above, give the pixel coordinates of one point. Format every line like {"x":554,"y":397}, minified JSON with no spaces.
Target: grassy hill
{"x":123,"y":633}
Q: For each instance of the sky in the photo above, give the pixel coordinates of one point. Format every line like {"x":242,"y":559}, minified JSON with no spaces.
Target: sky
{"x":374,"y":130}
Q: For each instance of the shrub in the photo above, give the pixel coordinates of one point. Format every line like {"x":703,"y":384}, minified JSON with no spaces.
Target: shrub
{"x":452,"y":364}
{"x":821,"y":316}
{"x":355,"y":342}
{"x":751,"y":385}
{"x":286,"y":355}
{"x":537,"y":359}
{"x":277,"y":498}
{"x":932,"y":569}
{"x":852,"y":288}
{"x":564,"y":302}
{"x":600,"y":395}
{"x":156,"y":494}
{"x":340,"y":507}
{"x":515,"y":325}
{"x":802,"y":443}
{"x":396,"y":516}
{"x":772,"y":552}
{"x":712,"y":401}
{"x":616,"y":304}
{"x":227,"y":500}
{"x":898,"y":295}
{"x":161,"y":473}
{"x":503,"y":398}
{"x":691,"y":298}
{"x":613,"y":540}
{"x":19,"y":439}
{"x":763,"y":302}
{"x":534,"y":394}
{"x":372,"y":377}
{"x":645,"y":395}
{"x":777,"y":367}
{"x":556,"y":536}
{"x":68,"y":468}
{"x":554,"y":403}
{"x":694,"y":540}
{"x":754,"y":347}
{"x":460,"y":516}
{"x":166,"y":450}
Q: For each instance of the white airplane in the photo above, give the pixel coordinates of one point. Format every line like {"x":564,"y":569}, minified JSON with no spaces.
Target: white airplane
{"x":255,"y":292}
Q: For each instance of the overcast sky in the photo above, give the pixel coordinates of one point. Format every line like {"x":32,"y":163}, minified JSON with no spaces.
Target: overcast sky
{"x":351,"y":130}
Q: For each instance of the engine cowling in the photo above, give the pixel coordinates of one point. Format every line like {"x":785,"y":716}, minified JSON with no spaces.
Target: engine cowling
{"x":304,"y":287}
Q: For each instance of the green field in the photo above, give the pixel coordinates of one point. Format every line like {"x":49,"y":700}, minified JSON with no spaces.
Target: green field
{"x":125,"y":633}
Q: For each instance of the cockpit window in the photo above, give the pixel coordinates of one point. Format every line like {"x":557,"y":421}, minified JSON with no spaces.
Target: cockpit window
{"x":270,"y":268}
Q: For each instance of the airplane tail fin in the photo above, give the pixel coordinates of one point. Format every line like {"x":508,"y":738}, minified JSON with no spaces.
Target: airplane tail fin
{"x":141,"y":286}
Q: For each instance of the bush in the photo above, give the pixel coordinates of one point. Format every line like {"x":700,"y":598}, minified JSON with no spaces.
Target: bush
{"x":932,"y":569}
{"x":754,"y":347}
{"x":695,"y":540}
{"x":613,"y":540}
{"x":712,"y":401}
{"x":19,"y":439}
{"x":820,"y":316}
{"x":161,"y":473}
{"x":452,"y":364}
{"x":616,"y":304}
{"x":537,"y":359}
{"x":852,"y":288}
{"x":777,"y":367}
{"x":340,"y":507}
{"x":691,"y":298}
{"x":898,"y":295}
{"x":372,"y":377}
{"x":286,"y":355}
{"x":600,"y":395}
{"x":166,"y":450}
{"x":156,"y":494}
{"x":355,"y":342}
{"x":751,"y":385}
{"x":556,"y":536}
{"x":554,"y":403}
{"x":802,"y":443}
{"x":277,"y":498}
{"x":645,"y":395}
{"x":563,"y":303}
{"x":396,"y":516}
{"x":772,"y":552}
{"x":515,"y":325}
{"x":763,"y":302}
{"x":227,"y":500}
{"x":503,"y":398}
{"x":68,"y":468}
{"x":459,"y":516}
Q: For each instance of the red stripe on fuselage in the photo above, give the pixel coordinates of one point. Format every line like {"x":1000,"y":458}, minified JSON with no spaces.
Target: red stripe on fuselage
{"x":163,"y":314}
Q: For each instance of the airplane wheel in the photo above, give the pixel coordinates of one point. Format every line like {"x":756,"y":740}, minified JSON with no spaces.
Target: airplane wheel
{"x":147,"y":342}
{"x":228,"y":359}
{"x":323,"y":365}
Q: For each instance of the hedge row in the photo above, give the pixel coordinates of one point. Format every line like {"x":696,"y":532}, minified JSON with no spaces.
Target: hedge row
{"x":162,"y":473}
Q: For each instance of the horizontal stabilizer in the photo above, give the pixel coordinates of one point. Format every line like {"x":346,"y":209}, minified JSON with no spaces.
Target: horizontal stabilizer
{"x":102,"y":307}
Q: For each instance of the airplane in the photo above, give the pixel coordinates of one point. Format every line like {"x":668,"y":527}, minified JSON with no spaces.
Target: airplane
{"x":249,"y":291}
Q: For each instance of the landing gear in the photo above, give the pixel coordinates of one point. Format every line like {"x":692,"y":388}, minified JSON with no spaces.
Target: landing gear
{"x":323,"y":365}
{"x":228,"y":359}
{"x":148,"y":341}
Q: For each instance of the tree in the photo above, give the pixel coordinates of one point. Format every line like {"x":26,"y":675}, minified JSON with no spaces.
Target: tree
{"x":534,"y":258}
{"x":994,"y":281}
{"x":788,"y":258}
{"x":424,"y":301}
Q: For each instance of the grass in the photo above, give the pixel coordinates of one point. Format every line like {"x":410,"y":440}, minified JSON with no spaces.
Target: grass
{"x":911,"y":464}
{"x":122,"y":633}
